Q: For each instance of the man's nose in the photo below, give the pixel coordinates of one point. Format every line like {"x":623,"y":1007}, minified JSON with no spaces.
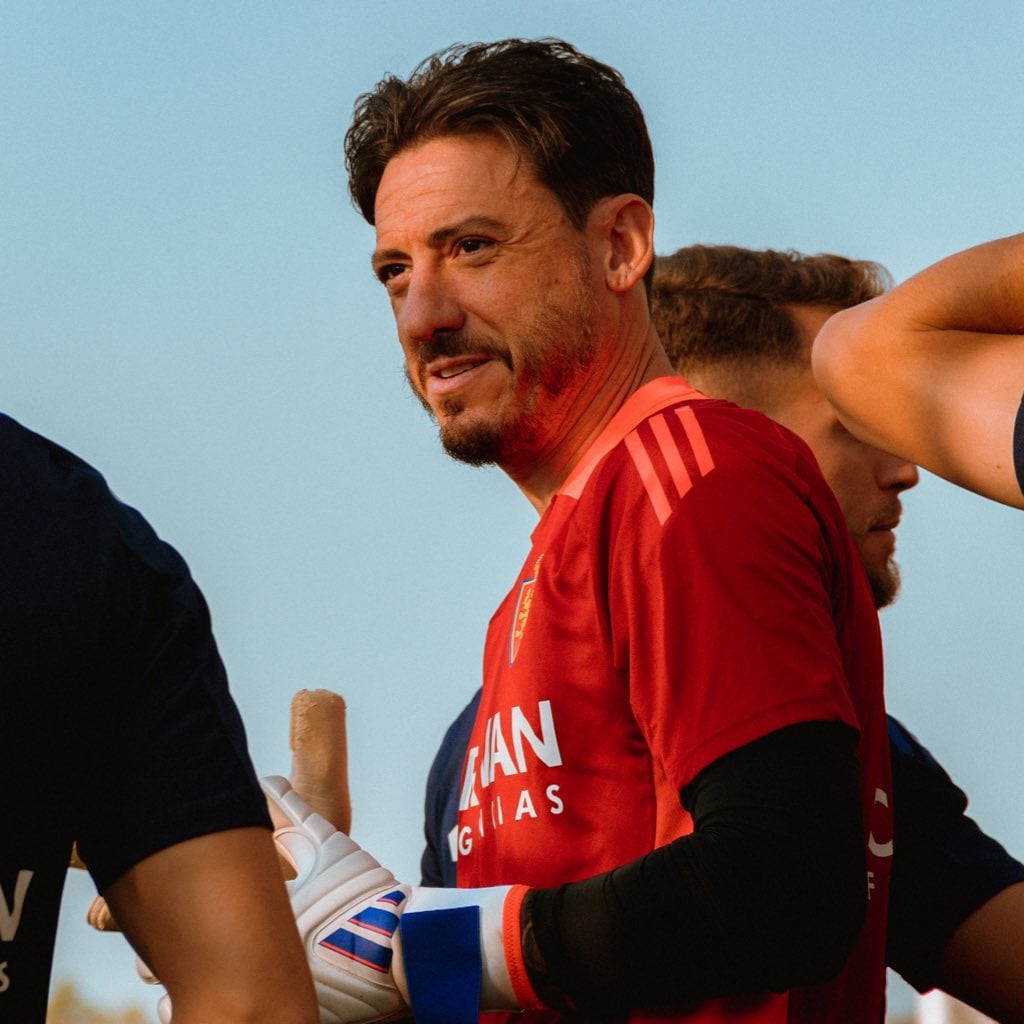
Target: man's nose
{"x":427,"y":308}
{"x":895,"y":473}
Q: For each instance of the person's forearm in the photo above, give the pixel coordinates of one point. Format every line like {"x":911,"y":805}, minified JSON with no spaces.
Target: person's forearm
{"x":933,"y":371}
{"x":980,"y":289}
{"x":766,"y":894}
{"x":983,"y":963}
{"x":185,"y":908}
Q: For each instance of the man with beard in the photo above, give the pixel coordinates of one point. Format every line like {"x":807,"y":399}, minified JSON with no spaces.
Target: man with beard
{"x":739,"y":324}
{"x":676,"y":798}
{"x":934,"y":369}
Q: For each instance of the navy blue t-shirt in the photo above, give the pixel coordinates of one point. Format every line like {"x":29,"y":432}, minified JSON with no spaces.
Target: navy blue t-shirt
{"x":441,"y":810}
{"x":944,"y":867}
{"x":116,"y":726}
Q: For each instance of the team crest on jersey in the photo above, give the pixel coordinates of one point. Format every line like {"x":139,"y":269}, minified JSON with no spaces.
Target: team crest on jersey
{"x":524,"y":601}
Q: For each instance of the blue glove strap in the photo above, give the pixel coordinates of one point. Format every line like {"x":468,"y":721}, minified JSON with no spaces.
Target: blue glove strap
{"x":441,"y":949}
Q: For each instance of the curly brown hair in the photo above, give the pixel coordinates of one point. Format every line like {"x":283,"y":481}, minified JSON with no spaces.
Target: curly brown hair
{"x":571,"y":116}
{"x":715,"y":303}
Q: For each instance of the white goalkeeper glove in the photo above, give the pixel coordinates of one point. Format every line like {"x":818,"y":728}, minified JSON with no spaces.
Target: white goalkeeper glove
{"x":379,"y":949}
{"x":163,"y":1007}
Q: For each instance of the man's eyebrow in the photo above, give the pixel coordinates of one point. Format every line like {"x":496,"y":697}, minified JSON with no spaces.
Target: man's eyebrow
{"x":467,"y":226}
{"x":440,"y":237}
{"x":381,"y":256}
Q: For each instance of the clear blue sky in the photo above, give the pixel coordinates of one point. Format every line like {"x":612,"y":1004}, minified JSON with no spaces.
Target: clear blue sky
{"x":186,"y":303}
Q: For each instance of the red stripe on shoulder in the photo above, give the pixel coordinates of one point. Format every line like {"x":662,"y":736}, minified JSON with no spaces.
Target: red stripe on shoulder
{"x":667,"y":458}
{"x":649,"y":477}
{"x":673,"y":457}
{"x":694,"y":434}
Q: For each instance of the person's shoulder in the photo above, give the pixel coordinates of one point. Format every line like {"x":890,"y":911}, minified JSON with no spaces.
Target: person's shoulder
{"x":708,"y":460}
{"x":49,"y":497}
{"x":751,"y":434}
{"x":707,"y":445}
{"x":22,"y":448}
{"x":53,"y":501}
{"x":38,"y":472}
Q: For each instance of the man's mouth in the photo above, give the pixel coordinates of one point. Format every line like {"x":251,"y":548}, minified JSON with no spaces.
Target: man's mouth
{"x":446,"y":372}
{"x":455,"y":367}
{"x":886,"y":524}
{"x":890,"y":521}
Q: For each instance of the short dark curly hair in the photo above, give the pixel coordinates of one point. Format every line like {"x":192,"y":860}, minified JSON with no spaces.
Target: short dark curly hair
{"x":571,"y":116}
{"x":718,"y":303}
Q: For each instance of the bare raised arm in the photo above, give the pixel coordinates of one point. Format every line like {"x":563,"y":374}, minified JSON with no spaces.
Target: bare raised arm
{"x":934,"y":369}
{"x":211,"y":917}
{"x":984,"y":961}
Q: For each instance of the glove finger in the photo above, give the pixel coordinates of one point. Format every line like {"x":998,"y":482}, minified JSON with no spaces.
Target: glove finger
{"x":142,"y":969}
{"x":285,"y":803}
{"x":100,"y":917}
{"x":163,"y":1010}
{"x":309,"y":837}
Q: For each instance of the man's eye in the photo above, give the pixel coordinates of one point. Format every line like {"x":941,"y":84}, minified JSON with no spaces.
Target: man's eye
{"x":389,"y":271}
{"x":473,"y":245}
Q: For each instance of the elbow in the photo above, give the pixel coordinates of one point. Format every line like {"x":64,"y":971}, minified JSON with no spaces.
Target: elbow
{"x":815,"y":940}
{"x":835,"y":357}
{"x":826,"y":349}
{"x":819,"y":952}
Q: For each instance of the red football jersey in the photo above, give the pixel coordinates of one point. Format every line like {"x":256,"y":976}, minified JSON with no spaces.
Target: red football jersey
{"x":691,"y":588}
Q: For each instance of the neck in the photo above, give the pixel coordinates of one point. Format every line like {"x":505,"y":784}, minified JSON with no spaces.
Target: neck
{"x":606,"y":388}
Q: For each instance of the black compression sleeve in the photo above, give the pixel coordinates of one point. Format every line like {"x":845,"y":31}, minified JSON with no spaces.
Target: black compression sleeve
{"x":1018,"y":444}
{"x":766,"y":894}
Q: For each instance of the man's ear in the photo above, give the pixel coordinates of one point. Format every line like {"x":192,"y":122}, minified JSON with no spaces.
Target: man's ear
{"x":625,"y":224}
